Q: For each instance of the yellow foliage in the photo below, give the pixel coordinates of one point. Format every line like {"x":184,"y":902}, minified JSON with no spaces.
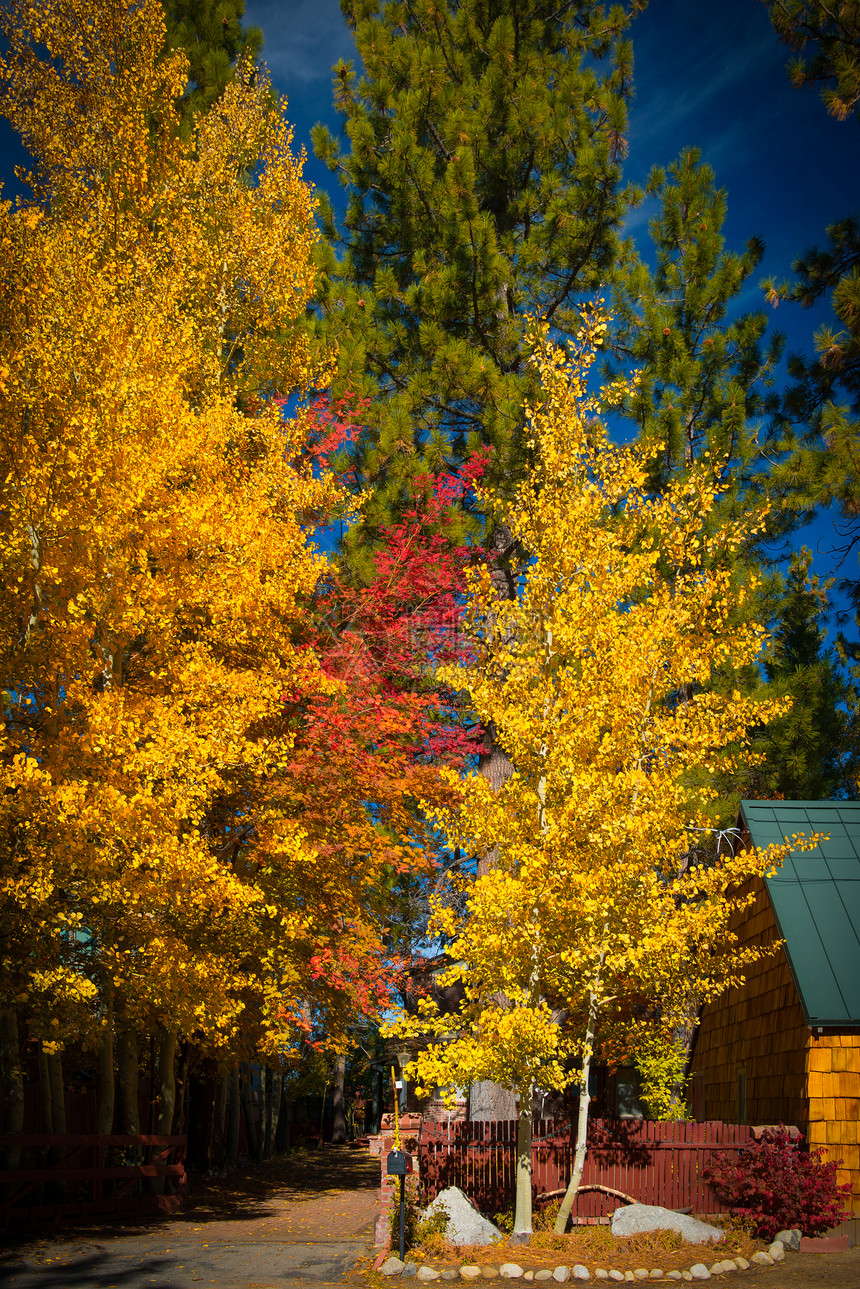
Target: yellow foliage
{"x":597,"y":681}
{"x":155,"y":559}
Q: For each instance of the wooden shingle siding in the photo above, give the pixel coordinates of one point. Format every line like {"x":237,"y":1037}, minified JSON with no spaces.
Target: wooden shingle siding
{"x":793,"y":1075}
{"x":833,"y":1061}
{"x":757,"y":1030}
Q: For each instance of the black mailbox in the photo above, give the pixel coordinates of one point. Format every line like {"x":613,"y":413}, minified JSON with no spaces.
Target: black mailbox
{"x":399,"y":1164}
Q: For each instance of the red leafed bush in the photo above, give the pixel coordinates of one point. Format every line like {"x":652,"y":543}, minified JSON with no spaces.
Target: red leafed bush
{"x":774,"y":1185}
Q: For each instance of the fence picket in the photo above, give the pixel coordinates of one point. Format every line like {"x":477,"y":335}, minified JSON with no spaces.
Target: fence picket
{"x":656,"y":1163}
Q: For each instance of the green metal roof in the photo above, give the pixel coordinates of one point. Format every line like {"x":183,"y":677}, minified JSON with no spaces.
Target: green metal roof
{"x":816,"y":902}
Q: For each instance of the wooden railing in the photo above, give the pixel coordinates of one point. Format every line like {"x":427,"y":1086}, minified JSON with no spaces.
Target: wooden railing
{"x":84,"y":1175}
{"x":653,"y":1163}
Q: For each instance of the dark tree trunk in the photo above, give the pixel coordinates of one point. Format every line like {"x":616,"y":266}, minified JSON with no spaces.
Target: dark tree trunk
{"x":13,"y":1084}
{"x":338,"y":1132}
{"x":234,"y":1117}
{"x":219,"y":1127}
{"x":248,"y":1111}
{"x":127,"y":1065}
{"x":107,"y":1081}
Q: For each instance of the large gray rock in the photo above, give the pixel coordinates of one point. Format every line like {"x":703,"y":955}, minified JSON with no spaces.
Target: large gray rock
{"x":791,"y":1239}
{"x":465,"y":1223}
{"x":637,"y":1218}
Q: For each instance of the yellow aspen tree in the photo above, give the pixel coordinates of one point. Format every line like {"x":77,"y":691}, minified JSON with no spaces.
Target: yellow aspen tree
{"x":155,"y":561}
{"x":588,"y":934}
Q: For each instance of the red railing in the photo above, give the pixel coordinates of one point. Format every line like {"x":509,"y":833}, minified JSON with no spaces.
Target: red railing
{"x":82,"y":1175}
{"x":654,"y":1163}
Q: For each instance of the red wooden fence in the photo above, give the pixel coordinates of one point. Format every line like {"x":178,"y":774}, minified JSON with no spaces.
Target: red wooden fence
{"x":81,"y":1175}
{"x":655,"y":1163}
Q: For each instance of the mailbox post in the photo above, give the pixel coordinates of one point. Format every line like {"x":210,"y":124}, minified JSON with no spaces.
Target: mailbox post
{"x":399,"y":1164}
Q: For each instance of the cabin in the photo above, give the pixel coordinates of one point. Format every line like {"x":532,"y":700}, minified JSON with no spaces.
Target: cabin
{"x":785,"y":1046}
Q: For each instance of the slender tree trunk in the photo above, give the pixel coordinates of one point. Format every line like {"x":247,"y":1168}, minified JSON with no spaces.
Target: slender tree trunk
{"x":13,"y":1084}
{"x":273,"y":1106}
{"x":166,"y":1083}
{"x":234,"y":1104}
{"x":264,"y":1111}
{"x":338,"y":1132}
{"x":107,"y":1081}
{"x":219,"y":1133}
{"x":54,"y":1061}
{"x":46,"y":1091}
{"x":523,"y":1211}
{"x":268,"y":1092}
{"x":248,"y":1111}
{"x":277,"y":1110}
{"x":58,"y":1093}
{"x":127,"y":1069}
{"x":582,"y":1118}
{"x":166,"y":1094}
{"x":183,"y":1091}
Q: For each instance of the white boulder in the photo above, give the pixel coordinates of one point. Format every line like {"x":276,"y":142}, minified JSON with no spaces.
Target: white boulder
{"x":636,"y":1218}
{"x":465,"y":1223}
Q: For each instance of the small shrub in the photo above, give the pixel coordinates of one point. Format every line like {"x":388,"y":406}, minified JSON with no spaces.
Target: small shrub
{"x":773,"y":1185}
{"x":543,"y":1218}
{"x":504,"y":1220}
{"x":431,"y":1227}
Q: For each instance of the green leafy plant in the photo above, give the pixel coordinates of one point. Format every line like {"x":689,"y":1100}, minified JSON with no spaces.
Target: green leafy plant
{"x":661,"y":1062}
{"x":431,"y":1225}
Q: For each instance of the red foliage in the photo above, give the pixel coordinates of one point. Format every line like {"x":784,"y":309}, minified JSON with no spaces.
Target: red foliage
{"x":774,"y":1185}
{"x":364,"y":757}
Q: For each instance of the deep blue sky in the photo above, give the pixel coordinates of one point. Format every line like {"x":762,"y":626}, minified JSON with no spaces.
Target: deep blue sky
{"x":707,"y":75}
{"x":710,"y":76}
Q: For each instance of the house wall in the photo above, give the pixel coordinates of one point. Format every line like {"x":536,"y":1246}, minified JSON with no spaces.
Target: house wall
{"x":749,"y":1056}
{"x":754,"y":1040}
{"x":833,"y":1062}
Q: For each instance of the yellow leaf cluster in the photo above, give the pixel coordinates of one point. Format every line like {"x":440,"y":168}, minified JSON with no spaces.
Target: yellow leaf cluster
{"x":155,"y":561}
{"x":597,"y":680}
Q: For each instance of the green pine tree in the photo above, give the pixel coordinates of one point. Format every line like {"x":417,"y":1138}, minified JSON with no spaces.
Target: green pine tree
{"x":811,"y":753}
{"x":826,"y":36}
{"x":706,"y":370}
{"x":705,"y":383}
{"x":482,"y":163}
{"x":211,"y":33}
{"x":820,"y":413}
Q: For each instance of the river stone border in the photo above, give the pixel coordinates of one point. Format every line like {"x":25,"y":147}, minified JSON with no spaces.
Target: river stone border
{"x":513,"y":1271}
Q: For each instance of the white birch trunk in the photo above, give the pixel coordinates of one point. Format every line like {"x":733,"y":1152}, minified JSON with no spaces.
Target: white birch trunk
{"x":523,"y":1212}
{"x":582,"y":1118}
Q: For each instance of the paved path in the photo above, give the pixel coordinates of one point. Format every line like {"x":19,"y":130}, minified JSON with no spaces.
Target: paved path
{"x":305,"y":1219}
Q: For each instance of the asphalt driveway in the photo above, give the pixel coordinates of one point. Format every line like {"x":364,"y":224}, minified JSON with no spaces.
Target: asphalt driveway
{"x":303,"y":1220}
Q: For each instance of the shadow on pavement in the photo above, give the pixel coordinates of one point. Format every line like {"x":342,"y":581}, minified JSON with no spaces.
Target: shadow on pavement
{"x":252,"y":1195}
{"x":92,"y":1272}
